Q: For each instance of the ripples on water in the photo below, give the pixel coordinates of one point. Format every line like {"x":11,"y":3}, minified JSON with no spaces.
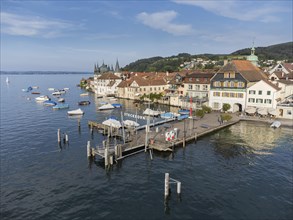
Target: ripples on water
{"x":241,"y":172}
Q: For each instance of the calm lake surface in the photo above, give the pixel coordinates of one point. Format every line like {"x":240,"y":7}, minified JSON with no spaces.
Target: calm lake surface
{"x":241,"y":172}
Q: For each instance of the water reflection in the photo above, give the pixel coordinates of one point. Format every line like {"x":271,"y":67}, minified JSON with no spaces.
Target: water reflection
{"x":245,"y":138}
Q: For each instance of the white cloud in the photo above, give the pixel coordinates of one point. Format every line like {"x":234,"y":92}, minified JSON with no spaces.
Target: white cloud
{"x":13,"y":24}
{"x":163,"y":21}
{"x":240,"y":10}
{"x":106,"y":36}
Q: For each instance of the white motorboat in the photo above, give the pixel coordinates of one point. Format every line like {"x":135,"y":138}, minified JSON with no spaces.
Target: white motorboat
{"x":130,"y":123}
{"x":106,"y":107}
{"x":56,"y":93}
{"x":112,"y":123}
{"x":151,"y":112}
{"x":42,"y":98}
{"x":84,"y":94}
{"x":75,"y":112}
{"x":61,"y":100}
{"x":51,"y":89}
{"x":276,"y":124}
{"x":169,"y":115}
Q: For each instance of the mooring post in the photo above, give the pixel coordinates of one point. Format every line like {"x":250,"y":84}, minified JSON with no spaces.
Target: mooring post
{"x":120,"y":150}
{"x":151,"y":155}
{"x":183,"y":141}
{"x":78,"y":123}
{"x":111,"y":160}
{"x":66,"y":138}
{"x":116,"y":152}
{"x":167,"y":179}
{"x":59,"y":135}
{"x":89,"y":150}
{"x":106,"y":157}
{"x":178,"y":187}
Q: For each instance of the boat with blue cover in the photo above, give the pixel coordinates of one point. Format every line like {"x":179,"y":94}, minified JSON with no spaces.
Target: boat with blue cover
{"x":49,"y":103}
{"x":117,"y":105}
{"x":181,"y":117}
{"x":183,"y":111}
{"x":169,"y":115}
{"x":61,"y":106}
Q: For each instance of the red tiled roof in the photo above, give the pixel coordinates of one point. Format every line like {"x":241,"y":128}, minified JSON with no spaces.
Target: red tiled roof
{"x":108,"y":76}
{"x":246,"y":69}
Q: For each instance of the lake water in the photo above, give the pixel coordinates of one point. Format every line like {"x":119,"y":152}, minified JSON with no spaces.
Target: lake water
{"x":241,"y":172}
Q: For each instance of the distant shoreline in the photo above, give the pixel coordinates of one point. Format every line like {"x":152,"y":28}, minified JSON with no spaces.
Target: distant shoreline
{"x":41,"y":72}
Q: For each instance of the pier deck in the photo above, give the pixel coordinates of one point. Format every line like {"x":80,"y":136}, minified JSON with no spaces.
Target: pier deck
{"x":187,"y":130}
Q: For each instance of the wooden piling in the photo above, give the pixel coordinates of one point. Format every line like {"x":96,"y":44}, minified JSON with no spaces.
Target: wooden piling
{"x":151,"y":155}
{"x":106,"y":157}
{"x":111,"y":160}
{"x":89,"y":150}
{"x":59,"y":136}
{"x":78,"y":122}
{"x":178,"y":188}
{"x":195,"y":136}
{"x":66,"y":138}
{"x":167,"y":180}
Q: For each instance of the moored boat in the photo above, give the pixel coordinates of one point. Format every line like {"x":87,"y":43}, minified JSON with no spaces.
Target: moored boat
{"x":112,"y":123}
{"x":61,"y":100}
{"x":84,"y":94}
{"x":61,"y":106}
{"x":181,"y":117}
{"x":106,"y":107}
{"x":42,"y":98}
{"x":75,"y":112}
{"x":169,"y":115}
{"x":183,"y":111}
{"x":130,"y":123}
{"x":117,"y":105}
{"x":84,"y":103}
{"x":151,"y":112}
{"x":56,"y":93}
{"x":276,"y":124}
{"x":49,"y":103}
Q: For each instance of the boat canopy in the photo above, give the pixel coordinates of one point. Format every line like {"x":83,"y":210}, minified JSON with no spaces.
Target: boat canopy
{"x":112,"y":123}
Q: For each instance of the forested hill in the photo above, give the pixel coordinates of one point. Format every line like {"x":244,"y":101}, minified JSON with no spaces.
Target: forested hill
{"x":275,"y":52}
{"x":172,"y":63}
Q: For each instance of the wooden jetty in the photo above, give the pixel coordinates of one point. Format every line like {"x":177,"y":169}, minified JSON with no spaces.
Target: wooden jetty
{"x":156,"y":138}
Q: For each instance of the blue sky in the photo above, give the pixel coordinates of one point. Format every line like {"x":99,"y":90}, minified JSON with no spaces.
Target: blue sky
{"x":74,"y":35}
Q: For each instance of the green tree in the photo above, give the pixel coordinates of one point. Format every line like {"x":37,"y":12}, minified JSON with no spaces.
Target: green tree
{"x":206,"y":109}
{"x":199,"y":113}
{"x":226,"y":107}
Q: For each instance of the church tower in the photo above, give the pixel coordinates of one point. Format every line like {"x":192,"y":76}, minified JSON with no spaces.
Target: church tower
{"x":252,"y":57}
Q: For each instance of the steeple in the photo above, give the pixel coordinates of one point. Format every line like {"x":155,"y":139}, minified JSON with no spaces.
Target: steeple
{"x":252,"y":57}
{"x":252,"y":49}
{"x":117,"y":67}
